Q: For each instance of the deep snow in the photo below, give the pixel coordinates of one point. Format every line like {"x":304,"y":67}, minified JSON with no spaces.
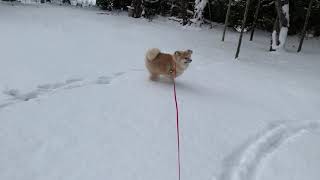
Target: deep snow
{"x":76,"y":102}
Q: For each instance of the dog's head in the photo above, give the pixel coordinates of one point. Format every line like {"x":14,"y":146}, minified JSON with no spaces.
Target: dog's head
{"x":183,"y":58}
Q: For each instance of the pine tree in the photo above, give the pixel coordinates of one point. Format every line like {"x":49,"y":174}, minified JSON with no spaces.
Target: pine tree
{"x":183,"y":11}
{"x":137,"y":5}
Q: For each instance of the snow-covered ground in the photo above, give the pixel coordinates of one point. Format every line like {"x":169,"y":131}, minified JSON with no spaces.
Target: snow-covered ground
{"x":76,"y":102}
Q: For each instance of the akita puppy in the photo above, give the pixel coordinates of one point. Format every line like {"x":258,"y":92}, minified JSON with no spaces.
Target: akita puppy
{"x":169,"y":65}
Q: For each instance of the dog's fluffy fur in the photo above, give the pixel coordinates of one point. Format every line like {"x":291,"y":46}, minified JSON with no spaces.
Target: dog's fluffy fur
{"x":169,"y":65}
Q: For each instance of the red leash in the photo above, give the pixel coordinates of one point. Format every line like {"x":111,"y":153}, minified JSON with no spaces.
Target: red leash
{"x":177,"y":120}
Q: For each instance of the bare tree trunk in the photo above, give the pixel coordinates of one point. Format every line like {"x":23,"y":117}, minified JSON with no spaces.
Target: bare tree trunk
{"x":255,"y":19}
{"x":209,"y":3}
{"x":282,"y":7}
{"x":303,"y":33}
{"x":226,"y":20}
{"x":242,"y":28}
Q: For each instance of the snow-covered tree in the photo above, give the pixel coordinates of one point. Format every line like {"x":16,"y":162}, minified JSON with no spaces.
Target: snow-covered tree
{"x":198,"y":11}
{"x":279,"y":38}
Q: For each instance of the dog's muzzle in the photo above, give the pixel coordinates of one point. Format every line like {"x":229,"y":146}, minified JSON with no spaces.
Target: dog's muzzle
{"x":188,"y":60}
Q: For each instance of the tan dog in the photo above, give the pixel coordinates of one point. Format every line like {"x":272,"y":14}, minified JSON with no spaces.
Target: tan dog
{"x":168,"y":65}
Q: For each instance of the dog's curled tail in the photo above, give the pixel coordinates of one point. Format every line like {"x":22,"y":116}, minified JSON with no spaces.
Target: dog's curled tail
{"x":152,"y":54}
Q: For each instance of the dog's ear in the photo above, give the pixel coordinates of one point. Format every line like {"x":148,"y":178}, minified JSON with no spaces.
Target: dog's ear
{"x":177,"y":53}
{"x":189,"y":51}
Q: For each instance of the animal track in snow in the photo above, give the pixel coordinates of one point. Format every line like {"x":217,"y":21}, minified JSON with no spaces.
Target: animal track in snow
{"x":243,"y":164}
{"x":103,"y":80}
{"x":16,"y":96}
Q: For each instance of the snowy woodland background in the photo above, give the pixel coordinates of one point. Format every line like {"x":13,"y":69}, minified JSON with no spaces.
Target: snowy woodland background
{"x":214,"y":11}
{"x":279,"y":17}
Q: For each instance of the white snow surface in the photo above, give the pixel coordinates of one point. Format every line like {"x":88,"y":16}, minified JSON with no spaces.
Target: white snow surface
{"x":76,"y":102}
